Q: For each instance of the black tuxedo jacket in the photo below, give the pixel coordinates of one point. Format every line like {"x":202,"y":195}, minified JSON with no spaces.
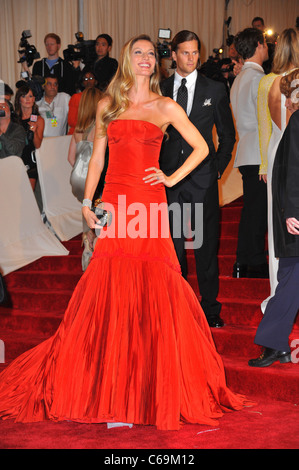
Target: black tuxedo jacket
{"x":210,"y":107}
{"x":285,"y":189}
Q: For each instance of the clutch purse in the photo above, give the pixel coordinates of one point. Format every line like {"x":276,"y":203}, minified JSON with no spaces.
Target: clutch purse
{"x":105,"y":217}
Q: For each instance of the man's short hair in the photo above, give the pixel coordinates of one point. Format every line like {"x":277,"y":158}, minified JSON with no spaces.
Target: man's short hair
{"x":258,"y":18}
{"x":7,"y":89}
{"x":184,"y":36}
{"x":52,"y":76}
{"x":247,"y":41}
{"x":105,"y":36}
{"x":53,"y":36}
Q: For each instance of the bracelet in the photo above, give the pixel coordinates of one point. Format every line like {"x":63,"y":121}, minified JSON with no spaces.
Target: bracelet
{"x":87,"y":203}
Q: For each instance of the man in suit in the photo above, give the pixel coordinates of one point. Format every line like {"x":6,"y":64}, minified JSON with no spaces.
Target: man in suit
{"x":207,"y":105}
{"x":251,"y":260}
{"x":277,"y":322}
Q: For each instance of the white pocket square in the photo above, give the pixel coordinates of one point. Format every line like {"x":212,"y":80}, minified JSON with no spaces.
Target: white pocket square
{"x":208,"y":102}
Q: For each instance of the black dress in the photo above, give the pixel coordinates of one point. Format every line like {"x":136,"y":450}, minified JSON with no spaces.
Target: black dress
{"x":28,"y":155}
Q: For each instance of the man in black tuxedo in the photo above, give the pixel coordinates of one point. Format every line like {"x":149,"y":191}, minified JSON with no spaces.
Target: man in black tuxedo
{"x":207,"y":105}
{"x":281,"y":311}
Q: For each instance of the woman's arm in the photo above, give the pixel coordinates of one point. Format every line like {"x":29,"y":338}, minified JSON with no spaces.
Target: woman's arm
{"x":96,"y":166}
{"x":177,"y":117}
{"x":39,"y":132}
{"x":72,"y":151}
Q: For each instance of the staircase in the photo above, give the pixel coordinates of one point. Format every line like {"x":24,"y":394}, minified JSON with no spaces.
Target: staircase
{"x":39,"y":294}
{"x":241,"y":300}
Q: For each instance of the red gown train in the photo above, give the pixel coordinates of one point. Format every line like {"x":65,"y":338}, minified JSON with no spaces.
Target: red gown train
{"x":134,"y":345}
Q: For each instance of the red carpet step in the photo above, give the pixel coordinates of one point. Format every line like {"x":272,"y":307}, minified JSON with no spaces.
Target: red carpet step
{"x":40,"y":292}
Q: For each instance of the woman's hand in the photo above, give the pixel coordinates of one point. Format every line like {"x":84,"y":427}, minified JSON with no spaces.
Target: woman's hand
{"x":90,"y":217}
{"x":237,"y":67}
{"x":157,"y":176}
{"x":33,"y":126}
{"x":263,"y":178}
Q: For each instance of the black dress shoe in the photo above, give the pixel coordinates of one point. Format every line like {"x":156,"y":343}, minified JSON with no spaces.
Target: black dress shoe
{"x":260,"y":271}
{"x":240,"y":270}
{"x":269,"y":356}
{"x":215,"y":322}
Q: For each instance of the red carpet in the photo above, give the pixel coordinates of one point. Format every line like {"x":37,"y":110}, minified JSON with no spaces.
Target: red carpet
{"x":39,"y":294}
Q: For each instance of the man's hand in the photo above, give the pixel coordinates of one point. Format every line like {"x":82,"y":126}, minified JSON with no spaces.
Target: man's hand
{"x":292,"y":226}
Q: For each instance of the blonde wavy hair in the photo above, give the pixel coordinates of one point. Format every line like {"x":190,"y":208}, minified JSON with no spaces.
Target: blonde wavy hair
{"x":87,"y":109}
{"x":123,"y":81}
{"x":289,"y":83}
{"x":286,"y":51}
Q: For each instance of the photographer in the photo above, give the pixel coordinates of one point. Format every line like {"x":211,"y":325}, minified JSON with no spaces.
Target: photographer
{"x":8,"y":94}
{"x":104,"y":67}
{"x":220,"y":70}
{"x":12,"y":135}
{"x":54,"y":65}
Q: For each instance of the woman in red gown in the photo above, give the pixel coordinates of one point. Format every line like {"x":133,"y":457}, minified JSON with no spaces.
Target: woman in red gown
{"x":134,"y":345}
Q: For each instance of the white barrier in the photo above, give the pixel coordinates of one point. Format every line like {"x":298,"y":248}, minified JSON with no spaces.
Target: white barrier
{"x":23,"y":236}
{"x":60,"y":206}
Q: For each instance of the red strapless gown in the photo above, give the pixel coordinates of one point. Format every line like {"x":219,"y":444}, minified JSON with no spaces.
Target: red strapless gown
{"x":134,"y":345}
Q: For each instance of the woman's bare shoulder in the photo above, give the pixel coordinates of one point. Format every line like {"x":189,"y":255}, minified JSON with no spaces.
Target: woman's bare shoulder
{"x":103,"y":103}
{"x":165,"y":101}
{"x":275,"y":88}
{"x":167,"y":105}
{"x":170,"y":110}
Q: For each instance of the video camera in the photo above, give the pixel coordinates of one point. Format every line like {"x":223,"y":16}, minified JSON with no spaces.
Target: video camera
{"x":82,"y":50}
{"x":163,"y":48}
{"x":35,"y":83}
{"x":28,"y":55}
{"x":271,"y":36}
{"x":29,"y":52}
{"x":216,"y":67}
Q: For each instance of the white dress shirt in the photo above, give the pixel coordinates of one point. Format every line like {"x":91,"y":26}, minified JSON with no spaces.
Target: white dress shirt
{"x":243,"y":98}
{"x":190,"y":84}
{"x":55,"y":114}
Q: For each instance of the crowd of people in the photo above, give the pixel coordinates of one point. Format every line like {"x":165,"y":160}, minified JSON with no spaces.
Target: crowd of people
{"x":128,"y":107}
{"x":55,"y":112}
